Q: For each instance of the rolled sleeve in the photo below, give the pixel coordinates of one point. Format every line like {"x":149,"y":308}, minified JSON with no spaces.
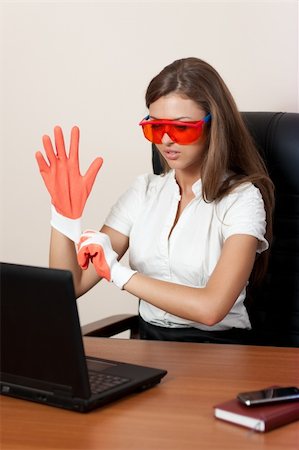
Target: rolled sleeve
{"x":245,"y":214}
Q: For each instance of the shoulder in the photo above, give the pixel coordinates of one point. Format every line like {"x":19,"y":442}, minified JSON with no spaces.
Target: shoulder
{"x":242,"y":211}
{"x":243,"y":205}
{"x":243,"y":194}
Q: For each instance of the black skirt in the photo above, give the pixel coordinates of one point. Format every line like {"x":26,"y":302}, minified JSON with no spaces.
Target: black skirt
{"x":231,"y":336}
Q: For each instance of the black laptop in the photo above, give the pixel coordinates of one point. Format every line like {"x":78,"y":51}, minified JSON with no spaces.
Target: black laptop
{"x":42,"y":354}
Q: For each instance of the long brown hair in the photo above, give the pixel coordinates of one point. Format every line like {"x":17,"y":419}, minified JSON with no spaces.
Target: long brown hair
{"x":229,"y":147}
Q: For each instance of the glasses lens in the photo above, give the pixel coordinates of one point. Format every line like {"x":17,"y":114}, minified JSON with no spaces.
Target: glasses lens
{"x":184,"y":134}
{"x":153,"y":132}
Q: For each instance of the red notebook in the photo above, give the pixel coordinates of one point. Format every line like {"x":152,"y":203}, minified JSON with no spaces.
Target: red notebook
{"x":259,"y":418}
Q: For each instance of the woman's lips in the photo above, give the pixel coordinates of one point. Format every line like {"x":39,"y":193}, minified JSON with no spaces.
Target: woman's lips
{"x":171,"y":154}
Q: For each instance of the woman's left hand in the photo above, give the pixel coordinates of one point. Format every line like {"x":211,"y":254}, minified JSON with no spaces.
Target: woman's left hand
{"x":96,"y":247}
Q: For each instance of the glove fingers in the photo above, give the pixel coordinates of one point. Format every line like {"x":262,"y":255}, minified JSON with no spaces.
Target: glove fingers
{"x":83,"y":257}
{"x":94,"y":253}
{"x":99,"y":261}
{"x":74,"y":147}
{"x":49,"y":150}
{"x":59,"y":142}
{"x":92,"y":172}
{"x":42,"y":164}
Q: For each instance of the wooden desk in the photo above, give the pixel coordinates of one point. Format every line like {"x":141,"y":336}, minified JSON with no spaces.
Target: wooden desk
{"x":177,"y":414}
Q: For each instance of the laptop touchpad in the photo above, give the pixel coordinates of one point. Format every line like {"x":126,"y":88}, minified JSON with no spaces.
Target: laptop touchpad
{"x":98,"y":365}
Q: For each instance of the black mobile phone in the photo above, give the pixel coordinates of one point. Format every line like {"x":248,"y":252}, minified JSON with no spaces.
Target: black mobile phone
{"x":269,"y":395}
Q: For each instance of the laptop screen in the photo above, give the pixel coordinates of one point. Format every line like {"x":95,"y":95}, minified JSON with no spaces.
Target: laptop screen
{"x":39,"y":317}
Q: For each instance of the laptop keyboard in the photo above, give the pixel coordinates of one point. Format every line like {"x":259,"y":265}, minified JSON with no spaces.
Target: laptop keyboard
{"x":100,"y":382}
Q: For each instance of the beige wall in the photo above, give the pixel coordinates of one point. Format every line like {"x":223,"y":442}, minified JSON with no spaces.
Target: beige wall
{"x":88,"y":63}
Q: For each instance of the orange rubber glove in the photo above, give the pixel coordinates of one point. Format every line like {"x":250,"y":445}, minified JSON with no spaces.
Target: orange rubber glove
{"x":96,"y":247}
{"x":69,"y":190}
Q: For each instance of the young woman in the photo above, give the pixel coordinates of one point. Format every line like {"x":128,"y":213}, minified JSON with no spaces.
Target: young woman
{"x":196,"y":234}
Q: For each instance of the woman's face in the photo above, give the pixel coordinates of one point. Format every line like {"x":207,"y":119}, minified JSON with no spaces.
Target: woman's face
{"x":175,"y":107}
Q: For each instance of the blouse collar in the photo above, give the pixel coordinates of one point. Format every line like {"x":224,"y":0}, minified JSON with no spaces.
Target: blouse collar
{"x":196,"y":187}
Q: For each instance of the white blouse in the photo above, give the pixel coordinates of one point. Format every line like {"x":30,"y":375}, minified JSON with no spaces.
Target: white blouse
{"x":146,"y":213}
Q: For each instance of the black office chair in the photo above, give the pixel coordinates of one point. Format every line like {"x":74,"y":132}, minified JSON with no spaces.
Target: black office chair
{"x":274,"y":308}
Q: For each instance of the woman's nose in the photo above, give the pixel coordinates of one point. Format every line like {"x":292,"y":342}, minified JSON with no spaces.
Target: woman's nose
{"x":166,"y":139}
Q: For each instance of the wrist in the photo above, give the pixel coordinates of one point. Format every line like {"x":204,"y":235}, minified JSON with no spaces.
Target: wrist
{"x":120,"y":274}
{"x":71,"y":228}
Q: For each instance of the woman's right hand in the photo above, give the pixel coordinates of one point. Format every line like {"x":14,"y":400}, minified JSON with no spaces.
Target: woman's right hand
{"x":69,"y":190}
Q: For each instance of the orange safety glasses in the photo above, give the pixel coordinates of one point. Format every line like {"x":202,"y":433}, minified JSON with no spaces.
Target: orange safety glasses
{"x":180,"y":132}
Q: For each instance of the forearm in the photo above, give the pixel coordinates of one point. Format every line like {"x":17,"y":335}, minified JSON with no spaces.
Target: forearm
{"x":62,"y":252}
{"x":63,"y":256}
{"x":191,"y":303}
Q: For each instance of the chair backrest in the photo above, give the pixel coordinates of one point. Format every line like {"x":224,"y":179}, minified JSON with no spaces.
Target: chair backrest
{"x":274,"y":310}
